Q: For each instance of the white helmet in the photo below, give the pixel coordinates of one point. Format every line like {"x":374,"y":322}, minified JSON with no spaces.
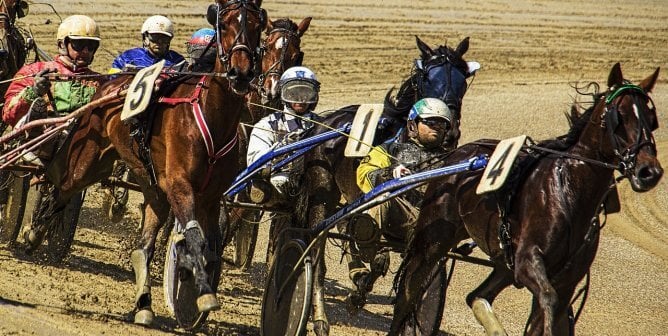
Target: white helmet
{"x":158,"y":24}
{"x":299,"y":85}
{"x":430,"y":108}
{"x":78,"y":27}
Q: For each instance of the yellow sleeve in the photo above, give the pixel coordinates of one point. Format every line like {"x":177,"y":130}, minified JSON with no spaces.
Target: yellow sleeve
{"x":377,"y":158}
{"x":113,"y":71}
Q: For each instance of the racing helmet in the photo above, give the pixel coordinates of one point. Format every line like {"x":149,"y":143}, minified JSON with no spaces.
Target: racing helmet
{"x":430,"y":108}
{"x":299,"y":85}
{"x":158,"y":24}
{"x":198,"y":44}
{"x":78,"y":27}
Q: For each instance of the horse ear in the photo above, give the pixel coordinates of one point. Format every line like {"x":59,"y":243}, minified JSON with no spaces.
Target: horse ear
{"x":648,"y":83}
{"x":424,"y":48}
{"x":463,"y":46}
{"x":212,"y":14}
{"x":615,"y":78}
{"x":303,"y":26}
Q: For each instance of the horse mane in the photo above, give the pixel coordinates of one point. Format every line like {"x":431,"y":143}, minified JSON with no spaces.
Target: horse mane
{"x":577,"y":119}
{"x":285,"y":23}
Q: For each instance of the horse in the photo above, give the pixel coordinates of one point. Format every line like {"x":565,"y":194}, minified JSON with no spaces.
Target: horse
{"x":542,"y":227}
{"x":280,"y":50}
{"x":180,"y":124}
{"x":439,"y":73}
{"x":13,"y":47}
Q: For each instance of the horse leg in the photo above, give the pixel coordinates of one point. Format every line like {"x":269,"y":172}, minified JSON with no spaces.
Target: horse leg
{"x":193,"y":247}
{"x":141,"y":260}
{"x":422,"y":262}
{"x":531,"y":272}
{"x":480,"y":300}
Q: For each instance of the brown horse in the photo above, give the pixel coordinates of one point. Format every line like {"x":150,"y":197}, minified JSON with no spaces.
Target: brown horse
{"x":546,"y":214}
{"x":439,"y":73}
{"x":189,"y":166}
{"x":280,"y":50}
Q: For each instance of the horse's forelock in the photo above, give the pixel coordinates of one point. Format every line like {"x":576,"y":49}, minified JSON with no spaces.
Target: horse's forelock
{"x":285,"y":23}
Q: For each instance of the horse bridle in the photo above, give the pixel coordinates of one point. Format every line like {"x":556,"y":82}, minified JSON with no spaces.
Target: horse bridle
{"x":278,"y":67}
{"x":422,"y":69}
{"x":627,"y":157}
{"x":244,"y":6}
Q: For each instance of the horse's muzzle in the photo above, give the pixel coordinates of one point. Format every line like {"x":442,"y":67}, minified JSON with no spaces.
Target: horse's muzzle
{"x":646,"y":177}
{"x":239,"y":81}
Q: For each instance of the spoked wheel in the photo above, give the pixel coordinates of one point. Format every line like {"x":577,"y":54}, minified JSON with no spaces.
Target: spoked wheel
{"x":430,"y":311}
{"x":16,"y":190}
{"x":286,"y":302}
{"x":62,"y":228}
{"x":179,"y":285}
{"x":244,"y":241}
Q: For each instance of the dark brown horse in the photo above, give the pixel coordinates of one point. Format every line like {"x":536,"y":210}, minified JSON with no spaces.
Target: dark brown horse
{"x":547,"y":213}
{"x":280,"y":50}
{"x":191,"y":157}
{"x":439,"y":73}
{"x":13,"y":50}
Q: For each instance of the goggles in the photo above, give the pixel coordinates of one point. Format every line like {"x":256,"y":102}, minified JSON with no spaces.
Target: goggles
{"x":299,"y":91}
{"x":435,"y":123}
{"x":80,"y":44}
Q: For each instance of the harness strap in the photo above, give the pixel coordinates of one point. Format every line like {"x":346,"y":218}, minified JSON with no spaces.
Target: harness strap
{"x":203,"y":128}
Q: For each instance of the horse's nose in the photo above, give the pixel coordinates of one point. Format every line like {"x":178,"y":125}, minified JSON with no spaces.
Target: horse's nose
{"x":649,"y":175}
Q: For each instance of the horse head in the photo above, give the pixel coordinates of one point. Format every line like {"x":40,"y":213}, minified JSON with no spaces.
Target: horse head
{"x":629,"y":117}
{"x":239,"y":24}
{"x":280,"y":50}
{"x":439,"y":73}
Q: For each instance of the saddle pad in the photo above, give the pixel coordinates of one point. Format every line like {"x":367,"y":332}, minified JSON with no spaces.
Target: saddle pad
{"x":500,"y":164}
{"x":140,"y":90}
{"x":363,"y":130}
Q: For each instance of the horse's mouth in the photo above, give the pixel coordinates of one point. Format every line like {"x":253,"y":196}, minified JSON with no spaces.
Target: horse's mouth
{"x":240,"y":87}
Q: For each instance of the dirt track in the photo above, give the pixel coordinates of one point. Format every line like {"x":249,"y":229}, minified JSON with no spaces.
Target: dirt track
{"x":530,"y":51}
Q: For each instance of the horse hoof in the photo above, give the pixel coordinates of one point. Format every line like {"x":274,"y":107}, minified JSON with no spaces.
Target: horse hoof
{"x":32,"y":240}
{"x":355,"y":301}
{"x":144,"y":317}
{"x":321,"y":328}
{"x":207,"y":303}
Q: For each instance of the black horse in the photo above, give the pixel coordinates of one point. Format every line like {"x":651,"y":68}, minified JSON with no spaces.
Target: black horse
{"x":439,"y":73}
{"x":541,"y":228}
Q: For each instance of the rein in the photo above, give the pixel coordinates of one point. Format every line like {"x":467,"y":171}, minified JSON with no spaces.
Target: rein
{"x":203,"y":128}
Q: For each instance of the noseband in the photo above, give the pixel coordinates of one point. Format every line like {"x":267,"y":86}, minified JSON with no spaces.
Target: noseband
{"x":628,"y":157}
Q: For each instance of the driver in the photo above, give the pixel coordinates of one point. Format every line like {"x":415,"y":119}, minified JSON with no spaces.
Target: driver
{"x":429,"y":126}
{"x":78,"y":38}
{"x":299,"y":89}
{"x":156,"y":33}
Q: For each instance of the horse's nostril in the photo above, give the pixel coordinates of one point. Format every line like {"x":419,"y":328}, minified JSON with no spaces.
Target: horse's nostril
{"x":649,"y":173}
{"x":232,"y":74}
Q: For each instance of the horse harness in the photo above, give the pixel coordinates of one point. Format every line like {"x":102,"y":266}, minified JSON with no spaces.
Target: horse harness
{"x":203,"y":128}
{"x":140,"y":132}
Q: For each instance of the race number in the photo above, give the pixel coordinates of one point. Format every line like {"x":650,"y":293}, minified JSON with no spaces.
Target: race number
{"x":363,"y":130}
{"x":500,"y":164}
{"x":140,"y":90}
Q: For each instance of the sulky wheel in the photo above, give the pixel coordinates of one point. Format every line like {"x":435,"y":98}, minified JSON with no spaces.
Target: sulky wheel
{"x":286,"y":302}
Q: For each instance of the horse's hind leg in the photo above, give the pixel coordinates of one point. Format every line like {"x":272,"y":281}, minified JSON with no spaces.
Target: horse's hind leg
{"x":141,"y":259}
{"x":481,"y":299}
